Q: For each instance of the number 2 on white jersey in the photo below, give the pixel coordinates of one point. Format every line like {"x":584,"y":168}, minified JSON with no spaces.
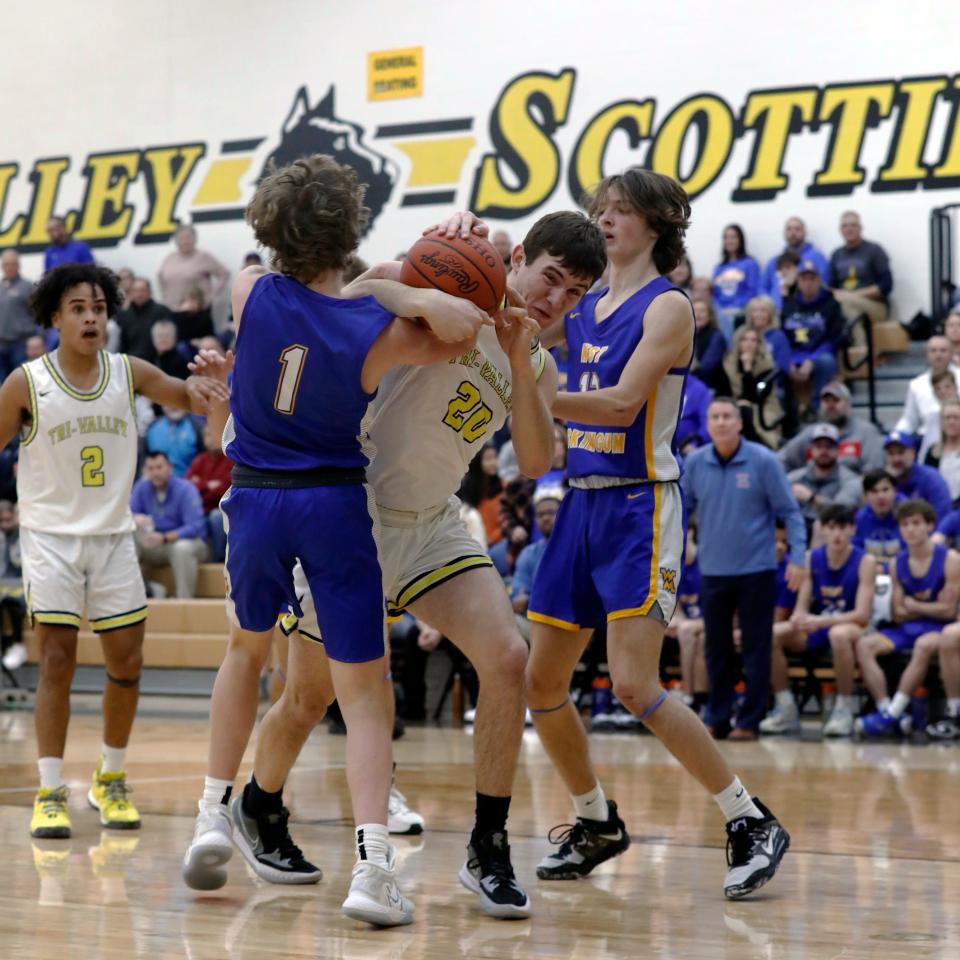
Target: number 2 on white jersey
{"x":291,"y":361}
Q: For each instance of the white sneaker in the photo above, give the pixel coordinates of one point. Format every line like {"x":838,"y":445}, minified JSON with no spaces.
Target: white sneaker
{"x":211,"y":848}
{"x":15,"y":657}
{"x":400,"y":818}
{"x":840,"y":723}
{"x":374,"y":896}
{"x":780,"y":721}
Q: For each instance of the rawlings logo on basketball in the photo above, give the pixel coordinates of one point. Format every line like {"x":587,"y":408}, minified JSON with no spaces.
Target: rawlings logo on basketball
{"x":445,"y":265}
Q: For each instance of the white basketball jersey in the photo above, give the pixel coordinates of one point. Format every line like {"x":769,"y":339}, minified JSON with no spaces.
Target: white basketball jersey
{"x":78,"y":456}
{"x":430,"y":421}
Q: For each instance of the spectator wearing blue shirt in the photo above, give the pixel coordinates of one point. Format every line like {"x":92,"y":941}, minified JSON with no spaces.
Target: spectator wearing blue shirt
{"x":170,"y":523}
{"x":813,"y":324}
{"x":709,"y":348}
{"x":914,"y":480}
{"x":546,"y":503}
{"x":176,"y":435}
{"x":740,"y":489}
{"x":877,"y":531}
{"x":860,"y":272}
{"x":692,"y":428}
{"x":63,"y":248}
{"x":795,"y":235}
{"x":736,"y":279}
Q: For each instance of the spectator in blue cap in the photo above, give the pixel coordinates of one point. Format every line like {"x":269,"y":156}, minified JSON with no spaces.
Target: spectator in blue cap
{"x":914,"y":480}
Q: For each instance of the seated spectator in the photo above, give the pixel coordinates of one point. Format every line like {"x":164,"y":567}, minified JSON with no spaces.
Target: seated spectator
{"x":192,"y":318}
{"x":701,"y":288}
{"x":813,"y":324}
{"x":126,"y":277}
{"x":751,"y":372}
{"x":921,"y":400}
{"x":775,"y":278}
{"x":944,"y":456}
{"x":951,"y":330}
{"x":546,"y":503}
{"x":945,"y":391}
{"x":861,"y":443}
{"x":860,"y":273}
{"x":35,"y":347}
{"x":692,"y":427}
{"x":516,"y":524}
{"x":503,"y":245}
{"x":166,"y":355}
{"x":17,"y":322}
{"x":170,"y":523}
{"x":877,"y":531}
{"x":823,"y":481}
{"x":176,"y":435}
{"x":832,"y":612}
{"x":762,"y":316}
{"x":914,"y":480}
{"x":709,"y":348}
{"x":210,"y":474}
{"x":682,"y":274}
{"x":926,"y":590}
{"x":13,"y":605}
{"x":736,"y":280}
{"x":687,"y":628}
{"x":481,"y":489}
{"x":63,"y":248}
{"x":136,"y":321}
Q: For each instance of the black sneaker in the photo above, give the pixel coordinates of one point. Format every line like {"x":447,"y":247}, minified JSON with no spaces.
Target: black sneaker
{"x":584,"y":845}
{"x":266,"y":845}
{"x":489,"y":873}
{"x":754,"y":851}
{"x":946,"y":729}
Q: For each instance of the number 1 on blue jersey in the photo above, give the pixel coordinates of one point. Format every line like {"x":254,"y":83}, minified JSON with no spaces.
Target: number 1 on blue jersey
{"x":291,"y":361}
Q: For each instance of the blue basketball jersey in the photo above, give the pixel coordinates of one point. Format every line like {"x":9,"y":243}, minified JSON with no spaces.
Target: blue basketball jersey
{"x":296,"y":402}
{"x":834,"y":591}
{"x":927,"y":587}
{"x":598,"y":353}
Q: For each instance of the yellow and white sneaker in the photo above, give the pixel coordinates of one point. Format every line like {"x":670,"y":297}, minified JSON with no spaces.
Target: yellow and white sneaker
{"x":50,"y":819}
{"x":110,"y":795}
{"x":51,"y":863}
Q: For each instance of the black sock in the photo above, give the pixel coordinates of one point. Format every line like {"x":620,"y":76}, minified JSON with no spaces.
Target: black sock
{"x":492,"y":814}
{"x":258,"y":803}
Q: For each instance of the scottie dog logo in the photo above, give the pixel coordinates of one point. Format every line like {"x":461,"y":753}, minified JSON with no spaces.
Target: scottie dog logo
{"x":317,"y":129}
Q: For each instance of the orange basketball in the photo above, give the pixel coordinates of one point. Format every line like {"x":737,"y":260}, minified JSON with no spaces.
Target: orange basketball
{"x":468,"y":268}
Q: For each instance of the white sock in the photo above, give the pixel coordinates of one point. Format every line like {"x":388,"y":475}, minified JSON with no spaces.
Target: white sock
{"x":953,"y":706}
{"x":784,"y":700}
{"x":845,"y":701}
{"x":735,"y":802}
{"x":113,"y":759}
{"x":898,"y":704}
{"x":216,"y":792}
{"x":373,"y":843}
{"x":51,"y":772}
{"x":884,"y":705}
{"x":592,"y":805}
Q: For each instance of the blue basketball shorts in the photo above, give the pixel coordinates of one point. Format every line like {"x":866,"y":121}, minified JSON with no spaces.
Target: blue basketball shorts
{"x":614,"y":553}
{"x":903,"y":636}
{"x":333,"y":531}
{"x":818,"y":639}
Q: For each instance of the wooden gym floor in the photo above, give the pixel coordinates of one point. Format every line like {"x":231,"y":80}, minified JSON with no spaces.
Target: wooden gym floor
{"x":873,"y":870}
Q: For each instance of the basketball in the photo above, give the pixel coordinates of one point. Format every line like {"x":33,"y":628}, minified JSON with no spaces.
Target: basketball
{"x":463,"y":267}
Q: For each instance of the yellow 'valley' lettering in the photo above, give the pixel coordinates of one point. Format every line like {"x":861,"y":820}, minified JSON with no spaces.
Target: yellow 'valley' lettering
{"x":523,"y":144}
{"x":106,"y":214}
{"x":166,"y":171}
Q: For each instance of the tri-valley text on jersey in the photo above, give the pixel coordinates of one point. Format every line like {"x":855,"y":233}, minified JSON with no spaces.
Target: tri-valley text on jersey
{"x":79,"y":426}
{"x":524,"y":160}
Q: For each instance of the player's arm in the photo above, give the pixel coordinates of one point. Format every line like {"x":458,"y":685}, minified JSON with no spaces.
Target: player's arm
{"x":196,"y":393}
{"x":404,"y":342}
{"x":242,"y":285}
{"x":945,"y":606}
{"x":666,"y":343}
{"x":897,"y":609}
{"x":15,"y":409}
{"x":211,"y":363}
{"x":451,"y":319}
{"x":801,"y":609}
{"x":866,"y":588}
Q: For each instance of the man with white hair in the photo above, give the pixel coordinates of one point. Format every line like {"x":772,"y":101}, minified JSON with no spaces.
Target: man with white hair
{"x":921,"y":400}
{"x":860,"y":274}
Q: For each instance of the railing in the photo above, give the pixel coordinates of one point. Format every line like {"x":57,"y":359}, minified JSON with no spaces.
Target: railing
{"x":942,"y":262}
